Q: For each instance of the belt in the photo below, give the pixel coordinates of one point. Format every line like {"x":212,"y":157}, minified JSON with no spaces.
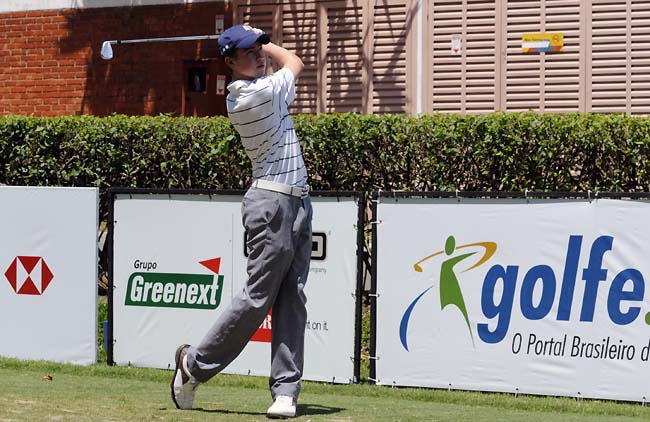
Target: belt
{"x":297,"y":191}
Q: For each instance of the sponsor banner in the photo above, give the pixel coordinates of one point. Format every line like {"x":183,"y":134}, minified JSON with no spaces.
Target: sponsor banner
{"x":542,"y":42}
{"x":538,"y":297}
{"x":180,"y":259}
{"x":48,"y":273}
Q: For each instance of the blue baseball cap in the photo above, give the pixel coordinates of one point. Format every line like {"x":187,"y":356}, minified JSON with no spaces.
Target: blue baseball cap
{"x":240,"y":36}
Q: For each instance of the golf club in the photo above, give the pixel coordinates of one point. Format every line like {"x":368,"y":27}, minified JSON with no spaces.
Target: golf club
{"x":107,"y":46}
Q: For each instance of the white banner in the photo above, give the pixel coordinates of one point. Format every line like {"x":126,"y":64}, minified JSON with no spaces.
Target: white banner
{"x":199,"y":240}
{"x":539,"y":297}
{"x":48,"y":273}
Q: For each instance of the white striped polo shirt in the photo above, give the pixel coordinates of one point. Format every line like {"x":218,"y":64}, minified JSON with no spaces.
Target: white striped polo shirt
{"x":258,"y":111}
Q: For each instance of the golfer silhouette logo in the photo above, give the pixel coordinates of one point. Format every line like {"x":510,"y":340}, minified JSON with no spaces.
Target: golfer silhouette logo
{"x":450,"y":291}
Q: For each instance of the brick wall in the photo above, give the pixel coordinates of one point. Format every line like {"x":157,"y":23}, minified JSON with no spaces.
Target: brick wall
{"x":50,"y":63}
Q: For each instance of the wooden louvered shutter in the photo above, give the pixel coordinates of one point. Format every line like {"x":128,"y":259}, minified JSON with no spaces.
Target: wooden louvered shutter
{"x":545,"y":82}
{"x":446,"y":70}
{"x":562,"y":72}
{"x":640,"y":58}
{"x":480,"y":83}
{"x":300,"y":35}
{"x":259,"y":16}
{"x":343,"y":68}
{"x":522,"y":71}
{"x":464,"y":83}
{"x":619,"y":63}
{"x":294,"y":26}
{"x":358,"y":54}
{"x":391,"y":25}
{"x":609,"y":66}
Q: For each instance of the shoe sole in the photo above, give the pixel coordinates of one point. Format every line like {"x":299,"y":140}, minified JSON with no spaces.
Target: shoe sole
{"x":177,"y":358}
{"x":279,"y":416}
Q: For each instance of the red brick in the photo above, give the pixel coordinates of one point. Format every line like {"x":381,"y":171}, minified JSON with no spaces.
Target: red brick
{"x":50,"y":59}
{"x":35,"y":13}
{"x":51,"y":101}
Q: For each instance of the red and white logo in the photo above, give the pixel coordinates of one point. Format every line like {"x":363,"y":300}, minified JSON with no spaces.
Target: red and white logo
{"x":29,"y":275}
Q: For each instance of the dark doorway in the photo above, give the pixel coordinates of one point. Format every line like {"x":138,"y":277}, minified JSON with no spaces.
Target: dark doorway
{"x":204,"y":88}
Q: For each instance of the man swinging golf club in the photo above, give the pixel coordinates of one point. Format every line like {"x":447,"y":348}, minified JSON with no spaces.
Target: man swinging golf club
{"x":277,"y":215}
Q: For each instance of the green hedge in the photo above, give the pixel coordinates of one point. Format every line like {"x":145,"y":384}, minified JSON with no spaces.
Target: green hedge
{"x":502,"y":151}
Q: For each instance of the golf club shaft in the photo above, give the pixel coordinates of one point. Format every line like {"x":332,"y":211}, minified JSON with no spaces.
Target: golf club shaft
{"x":147,"y":40}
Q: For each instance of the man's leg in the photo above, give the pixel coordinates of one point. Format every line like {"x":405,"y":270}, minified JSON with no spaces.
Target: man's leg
{"x":289,"y":313}
{"x":268,"y":219}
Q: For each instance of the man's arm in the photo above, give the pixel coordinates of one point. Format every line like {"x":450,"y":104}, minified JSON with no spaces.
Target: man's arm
{"x":284,"y":58}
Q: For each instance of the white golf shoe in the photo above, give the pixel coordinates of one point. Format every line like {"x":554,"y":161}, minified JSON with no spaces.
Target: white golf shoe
{"x":183,"y":384}
{"x":283,"y":407}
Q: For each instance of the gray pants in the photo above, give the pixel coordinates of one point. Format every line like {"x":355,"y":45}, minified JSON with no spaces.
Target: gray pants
{"x":279,"y":247}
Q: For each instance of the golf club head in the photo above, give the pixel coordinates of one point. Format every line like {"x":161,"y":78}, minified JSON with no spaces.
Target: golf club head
{"x":107,"y":50}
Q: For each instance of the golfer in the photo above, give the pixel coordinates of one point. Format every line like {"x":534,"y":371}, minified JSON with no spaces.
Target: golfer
{"x":277,"y":215}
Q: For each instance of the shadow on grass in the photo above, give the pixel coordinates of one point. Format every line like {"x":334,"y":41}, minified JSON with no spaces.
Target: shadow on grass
{"x":228,"y":412}
{"x":316,"y":409}
{"x":302,"y":410}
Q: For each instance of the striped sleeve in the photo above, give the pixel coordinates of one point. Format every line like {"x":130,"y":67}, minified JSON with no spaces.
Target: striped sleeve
{"x":283,"y":83}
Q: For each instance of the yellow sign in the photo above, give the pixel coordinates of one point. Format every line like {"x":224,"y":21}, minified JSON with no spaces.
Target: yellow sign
{"x":542,"y":42}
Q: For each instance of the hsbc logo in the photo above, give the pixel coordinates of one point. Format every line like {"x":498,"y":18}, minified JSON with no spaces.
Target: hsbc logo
{"x":29,"y":275}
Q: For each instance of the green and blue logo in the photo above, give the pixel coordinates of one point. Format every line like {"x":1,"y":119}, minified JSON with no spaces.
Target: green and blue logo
{"x":450,"y":291}
{"x":626,"y":289}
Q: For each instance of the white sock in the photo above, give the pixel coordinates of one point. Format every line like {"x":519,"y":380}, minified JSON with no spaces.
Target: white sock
{"x":184,"y":365}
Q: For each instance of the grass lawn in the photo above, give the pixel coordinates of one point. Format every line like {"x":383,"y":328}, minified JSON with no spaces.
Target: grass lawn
{"x":101,"y":393}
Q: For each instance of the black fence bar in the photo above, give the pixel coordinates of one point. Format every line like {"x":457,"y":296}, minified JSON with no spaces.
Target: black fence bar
{"x":208,"y":192}
{"x":168,"y":191}
{"x":358,"y":310}
{"x":373,"y":291}
{"x":109,"y":293}
{"x":515,"y":194}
